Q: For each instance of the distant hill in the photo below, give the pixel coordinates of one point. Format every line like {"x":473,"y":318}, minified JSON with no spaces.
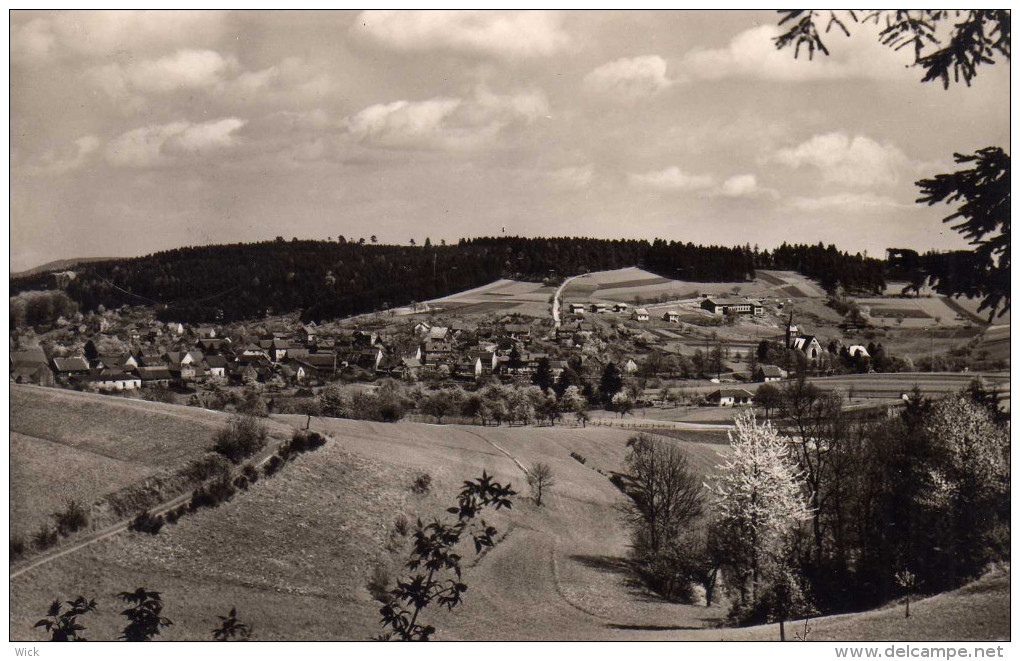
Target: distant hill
{"x":327,"y":280}
{"x":58,"y":265}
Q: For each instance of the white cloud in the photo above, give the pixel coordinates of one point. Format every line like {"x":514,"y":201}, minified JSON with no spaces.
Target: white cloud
{"x":574,"y":177}
{"x":846,"y":202}
{"x":752,"y":54}
{"x":858,"y":161}
{"x":629,"y":77}
{"x":162,"y":144}
{"x":56,"y":164}
{"x":183,"y":70}
{"x":744,"y":185}
{"x":671,"y":179}
{"x":510,"y":35}
{"x":445,"y":122}
{"x":101,"y":33}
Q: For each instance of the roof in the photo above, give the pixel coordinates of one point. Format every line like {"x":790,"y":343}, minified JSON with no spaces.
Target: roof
{"x":26,"y":370}
{"x":438,"y":332}
{"x":641,"y":311}
{"x":215,"y":361}
{"x":411,"y":363}
{"x":770,"y":370}
{"x":732,"y":301}
{"x":517,"y":328}
{"x":75,"y":364}
{"x":732,"y":392}
{"x":154,"y":373}
{"x":28,"y":356}
{"x":319,"y":359}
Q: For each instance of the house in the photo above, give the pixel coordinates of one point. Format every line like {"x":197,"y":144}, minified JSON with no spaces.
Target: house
{"x":205,"y":332}
{"x":620,"y":307}
{"x":599,"y":308}
{"x":441,"y":333}
{"x":517,"y":331}
{"x":215,"y":365}
{"x":630,"y":366}
{"x":557,"y":367}
{"x":115,"y":379}
{"x":409,"y":368}
{"x":731,"y":397}
{"x":721,"y":306}
{"x":66,"y":368}
{"x":314,"y":366}
{"x":154,"y":376}
{"x":307,"y":334}
{"x":489,"y":360}
{"x":672,"y":316}
{"x":39,"y":374}
{"x":28,"y":357}
{"x":253,"y":351}
{"x":858,"y":351}
{"x":577,"y":308}
{"x":470,"y":368}
{"x":175,"y":328}
{"x":369,"y":359}
{"x":434,"y":352}
{"x":767,"y":373}
{"x":640,"y":314}
{"x":111,"y":360}
{"x":213,"y":344}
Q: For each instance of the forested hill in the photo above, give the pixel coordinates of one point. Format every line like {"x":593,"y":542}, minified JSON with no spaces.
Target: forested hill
{"x":328,"y":279}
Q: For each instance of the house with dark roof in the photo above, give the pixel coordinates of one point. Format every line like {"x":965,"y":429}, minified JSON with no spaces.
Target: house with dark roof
{"x":731,"y":397}
{"x":115,"y":379}
{"x":215,"y":365}
{"x":67,"y":368}
{"x":39,"y":374}
{"x":154,"y":376}
{"x":767,"y":373}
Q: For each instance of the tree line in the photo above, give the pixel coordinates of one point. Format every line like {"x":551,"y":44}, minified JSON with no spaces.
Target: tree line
{"x":330,"y":279}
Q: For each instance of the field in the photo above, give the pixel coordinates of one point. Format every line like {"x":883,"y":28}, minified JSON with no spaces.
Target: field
{"x":917,"y":312}
{"x":634,"y":285}
{"x":295,"y":554}
{"x":501,"y":296}
{"x":66,"y":444}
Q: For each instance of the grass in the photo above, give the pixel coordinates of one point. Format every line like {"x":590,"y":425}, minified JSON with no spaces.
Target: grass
{"x":295,"y":554}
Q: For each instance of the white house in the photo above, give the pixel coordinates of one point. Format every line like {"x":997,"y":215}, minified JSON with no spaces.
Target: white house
{"x":672,"y":316}
{"x":731,"y":397}
{"x":640,"y":314}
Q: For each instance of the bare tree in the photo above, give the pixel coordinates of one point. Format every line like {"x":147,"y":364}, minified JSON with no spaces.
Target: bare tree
{"x":665,"y":493}
{"x":540,"y":478}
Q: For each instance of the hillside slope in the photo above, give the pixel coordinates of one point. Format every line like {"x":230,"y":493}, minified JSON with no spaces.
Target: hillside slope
{"x":296,"y":553}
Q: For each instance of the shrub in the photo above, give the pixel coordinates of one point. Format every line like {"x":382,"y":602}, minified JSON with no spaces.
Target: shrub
{"x":272,"y":466}
{"x":146,"y":522}
{"x":243,"y":436}
{"x":241,"y":482}
{"x":17,"y":547}
{"x":45,"y":538}
{"x":306,"y":441}
{"x":72,"y":518}
{"x":401,"y":525}
{"x":422,"y":483}
{"x":251,"y":473}
{"x":212,"y":494}
{"x":172,"y":516}
{"x":578,"y":457}
{"x":205,"y":467}
{"x":379,"y":583}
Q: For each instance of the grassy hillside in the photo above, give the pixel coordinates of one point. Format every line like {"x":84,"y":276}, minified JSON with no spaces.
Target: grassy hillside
{"x":296,"y":554}
{"x":66,"y":444}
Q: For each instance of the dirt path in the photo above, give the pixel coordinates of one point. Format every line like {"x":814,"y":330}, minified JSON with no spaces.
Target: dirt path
{"x":556,"y":300}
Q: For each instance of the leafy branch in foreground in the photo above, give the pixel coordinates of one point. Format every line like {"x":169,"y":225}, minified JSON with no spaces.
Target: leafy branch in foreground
{"x":231,"y":628}
{"x":145,"y":619}
{"x":435,"y":564}
{"x":64,"y":627}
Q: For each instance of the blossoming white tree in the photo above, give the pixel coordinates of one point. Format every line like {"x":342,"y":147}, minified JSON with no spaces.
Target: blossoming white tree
{"x":759,"y":500}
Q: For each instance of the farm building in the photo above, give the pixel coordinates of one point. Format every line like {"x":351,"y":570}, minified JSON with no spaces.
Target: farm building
{"x":599,"y":308}
{"x":721,"y":306}
{"x":620,"y":307}
{"x":640,"y":314}
{"x":767,"y":373}
{"x":672,"y":316}
{"x":731,"y":397}
{"x":577,"y":308}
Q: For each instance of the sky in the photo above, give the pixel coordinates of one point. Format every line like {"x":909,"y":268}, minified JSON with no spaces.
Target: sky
{"x":133,"y":132}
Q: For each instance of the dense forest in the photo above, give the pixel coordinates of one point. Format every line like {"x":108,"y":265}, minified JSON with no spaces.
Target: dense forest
{"x":327,"y":279}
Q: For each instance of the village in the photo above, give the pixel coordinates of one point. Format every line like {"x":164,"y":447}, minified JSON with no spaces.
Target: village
{"x":128,"y":351}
